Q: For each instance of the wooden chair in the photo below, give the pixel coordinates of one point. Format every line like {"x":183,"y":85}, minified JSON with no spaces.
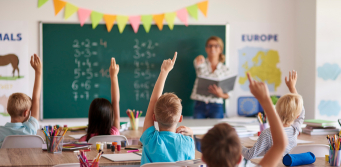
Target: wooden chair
{"x":23,"y":141}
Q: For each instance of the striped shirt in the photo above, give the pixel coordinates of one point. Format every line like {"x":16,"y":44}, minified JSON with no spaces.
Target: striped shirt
{"x":264,"y":142}
{"x":205,"y":70}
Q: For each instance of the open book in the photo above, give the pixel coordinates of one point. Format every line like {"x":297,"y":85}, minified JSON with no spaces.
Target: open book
{"x":226,"y":83}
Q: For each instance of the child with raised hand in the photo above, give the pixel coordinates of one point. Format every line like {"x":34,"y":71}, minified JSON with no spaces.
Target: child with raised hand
{"x":291,"y":112}
{"x":221,"y":146}
{"x":169,"y":144}
{"x":23,"y":110}
{"x":104,"y":117}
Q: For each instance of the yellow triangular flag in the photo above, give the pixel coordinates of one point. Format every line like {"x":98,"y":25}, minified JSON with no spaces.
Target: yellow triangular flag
{"x":170,"y":17}
{"x":58,"y":6}
{"x":203,"y":7}
{"x":159,"y":20}
{"x":121,"y":22}
{"x":109,"y":21}
{"x":69,"y":10}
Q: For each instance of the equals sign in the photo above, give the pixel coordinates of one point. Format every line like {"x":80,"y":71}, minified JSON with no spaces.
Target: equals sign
{"x":94,"y":44}
{"x":96,"y":85}
{"x":94,"y":53}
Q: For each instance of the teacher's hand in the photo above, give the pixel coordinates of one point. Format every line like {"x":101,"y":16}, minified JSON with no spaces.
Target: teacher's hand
{"x":199,"y":60}
{"x":214,"y":89}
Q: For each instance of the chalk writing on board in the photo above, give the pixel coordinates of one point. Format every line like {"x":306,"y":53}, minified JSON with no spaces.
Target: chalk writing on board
{"x":83,"y":72}
{"x":144,"y":78}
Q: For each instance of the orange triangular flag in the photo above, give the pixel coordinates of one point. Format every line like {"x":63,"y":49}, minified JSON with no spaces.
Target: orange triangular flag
{"x":58,"y":6}
{"x":203,"y":7}
{"x":158,"y":18}
{"x":109,"y":21}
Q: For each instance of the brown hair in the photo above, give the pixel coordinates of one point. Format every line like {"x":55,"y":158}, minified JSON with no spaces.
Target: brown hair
{"x":221,"y":45}
{"x":289,"y":107}
{"x":18,"y":103}
{"x":168,"y":110}
{"x":221,"y":146}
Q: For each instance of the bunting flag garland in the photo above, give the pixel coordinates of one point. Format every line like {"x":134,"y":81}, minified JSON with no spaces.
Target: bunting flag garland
{"x":147,"y":22}
{"x":83,"y":15}
{"x":109,"y":21}
{"x":41,"y":3}
{"x":135,"y":21}
{"x":170,"y":17}
{"x":96,"y":17}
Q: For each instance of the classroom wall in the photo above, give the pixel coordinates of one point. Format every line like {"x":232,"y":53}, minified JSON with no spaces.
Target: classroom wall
{"x":328,"y":59}
{"x":292,"y":14}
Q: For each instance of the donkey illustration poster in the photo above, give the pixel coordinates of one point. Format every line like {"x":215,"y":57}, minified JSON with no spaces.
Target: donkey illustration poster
{"x":14,"y":61}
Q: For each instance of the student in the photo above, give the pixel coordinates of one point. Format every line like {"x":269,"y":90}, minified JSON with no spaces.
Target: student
{"x":21,"y":106}
{"x":221,"y":146}
{"x":170,"y":144}
{"x":291,"y":112}
{"x":104,"y":117}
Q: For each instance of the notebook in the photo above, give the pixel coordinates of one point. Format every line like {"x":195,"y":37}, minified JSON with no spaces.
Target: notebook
{"x":77,"y":136}
{"x":320,"y":123}
{"x":122,"y":157}
{"x":226,"y":83}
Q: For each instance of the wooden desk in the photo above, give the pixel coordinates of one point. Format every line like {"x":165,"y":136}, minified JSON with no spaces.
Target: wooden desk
{"x":320,"y":161}
{"x":38,"y":157}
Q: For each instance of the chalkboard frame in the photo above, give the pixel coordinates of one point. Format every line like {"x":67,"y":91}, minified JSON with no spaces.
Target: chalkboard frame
{"x":227,"y":56}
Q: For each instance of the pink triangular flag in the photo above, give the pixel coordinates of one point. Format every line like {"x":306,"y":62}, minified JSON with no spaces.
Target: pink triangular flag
{"x":182,"y":15}
{"x":135,"y":22}
{"x":83,"y":15}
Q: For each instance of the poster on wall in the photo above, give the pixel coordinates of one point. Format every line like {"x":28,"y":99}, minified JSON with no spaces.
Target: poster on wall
{"x":265,"y":51}
{"x":14,"y":63}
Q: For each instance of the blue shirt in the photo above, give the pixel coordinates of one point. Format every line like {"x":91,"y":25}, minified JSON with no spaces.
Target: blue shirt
{"x":29,"y":127}
{"x":166,"y":146}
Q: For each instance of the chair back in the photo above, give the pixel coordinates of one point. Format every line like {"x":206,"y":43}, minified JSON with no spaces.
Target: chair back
{"x":23,"y":141}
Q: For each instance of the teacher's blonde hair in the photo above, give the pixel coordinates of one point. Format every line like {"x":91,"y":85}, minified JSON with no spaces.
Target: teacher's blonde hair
{"x":221,"y":45}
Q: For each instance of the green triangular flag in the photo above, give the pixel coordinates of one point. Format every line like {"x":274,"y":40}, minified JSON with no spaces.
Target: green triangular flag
{"x":69,"y":10}
{"x":121,"y":22}
{"x":96,"y":17}
{"x":193,"y":11}
{"x":147,"y":22}
{"x":41,"y":3}
{"x":170,"y":17}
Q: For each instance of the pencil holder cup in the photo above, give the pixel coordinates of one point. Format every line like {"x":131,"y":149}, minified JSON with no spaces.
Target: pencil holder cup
{"x":135,"y":124}
{"x":263,"y":126}
{"x":335,"y":157}
{"x":55,"y":144}
{"x":91,"y":163}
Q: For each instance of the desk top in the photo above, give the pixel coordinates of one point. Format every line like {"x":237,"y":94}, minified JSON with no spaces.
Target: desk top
{"x":320,"y":161}
{"x":38,"y":157}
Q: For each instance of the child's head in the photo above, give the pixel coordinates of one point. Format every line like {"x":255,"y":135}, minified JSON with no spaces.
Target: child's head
{"x":289,"y":107}
{"x":100,"y":117}
{"x":168,"y":110}
{"x":221,"y":146}
{"x":19,"y":106}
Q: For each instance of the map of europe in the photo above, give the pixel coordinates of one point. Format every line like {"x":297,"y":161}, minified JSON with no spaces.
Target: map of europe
{"x":262,"y":65}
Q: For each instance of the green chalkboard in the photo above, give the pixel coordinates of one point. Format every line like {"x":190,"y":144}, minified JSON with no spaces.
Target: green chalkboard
{"x":76,"y":61}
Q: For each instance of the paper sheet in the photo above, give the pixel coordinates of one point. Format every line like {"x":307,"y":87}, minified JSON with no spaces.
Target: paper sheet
{"x":77,"y":136}
{"x":298,"y":140}
{"x":122,"y":157}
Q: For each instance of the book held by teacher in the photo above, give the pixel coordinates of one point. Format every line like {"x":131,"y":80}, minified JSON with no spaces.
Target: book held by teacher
{"x":226,"y":83}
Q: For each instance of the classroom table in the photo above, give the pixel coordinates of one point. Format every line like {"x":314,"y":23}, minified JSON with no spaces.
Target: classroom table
{"x":38,"y":157}
{"x":320,"y":161}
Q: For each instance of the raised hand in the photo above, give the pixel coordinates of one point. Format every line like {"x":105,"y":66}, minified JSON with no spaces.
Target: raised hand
{"x":258,"y":89}
{"x":291,"y":81}
{"x":199,"y":60}
{"x":184,"y":130}
{"x":36,"y":64}
{"x":114,"y":68}
{"x":168,"y":64}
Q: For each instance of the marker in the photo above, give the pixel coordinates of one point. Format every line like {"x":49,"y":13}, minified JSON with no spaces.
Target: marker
{"x":130,"y":151}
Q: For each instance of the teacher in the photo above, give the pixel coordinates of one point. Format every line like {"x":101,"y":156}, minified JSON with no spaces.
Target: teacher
{"x":213,"y":66}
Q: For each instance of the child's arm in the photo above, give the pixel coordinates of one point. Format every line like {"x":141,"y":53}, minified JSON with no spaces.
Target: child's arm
{"x":280,"y":141}
{"x":291,"y":82}
{"x":36,"y":65}
{"x":184,"y":131}
{"x":260,"y":147}
{"x":166,"y":67}
{"x":115,"y":92}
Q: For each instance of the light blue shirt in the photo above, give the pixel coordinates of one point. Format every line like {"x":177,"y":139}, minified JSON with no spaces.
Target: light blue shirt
{"x":29,"y":127}
{"x":166,"y":146}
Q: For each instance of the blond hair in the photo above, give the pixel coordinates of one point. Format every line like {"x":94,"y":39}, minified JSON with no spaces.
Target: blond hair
{"x":168,"y":110}
{"x":289,"y":107}
{"x":221,"y":45}
{"x":18,"y":103}
{"x":221,"y":146}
